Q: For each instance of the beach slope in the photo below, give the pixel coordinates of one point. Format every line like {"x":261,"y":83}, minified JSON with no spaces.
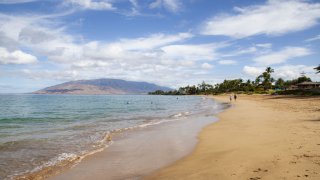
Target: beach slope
{"x":260,"y":137}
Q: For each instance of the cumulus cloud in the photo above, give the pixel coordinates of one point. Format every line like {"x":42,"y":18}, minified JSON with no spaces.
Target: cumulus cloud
{"x":282,"y":56}
{"x":253,"y":71}
{"x":16,"y":57}
{"x":170,"y":5}
{"x":227,"y":62}
{"x":294,"y":71}
{"x":8,"y":42}
{"x":276,"y":17}
{"x":11,"y":26}
{"x":143,"y":58}
{"x":286,"y":72}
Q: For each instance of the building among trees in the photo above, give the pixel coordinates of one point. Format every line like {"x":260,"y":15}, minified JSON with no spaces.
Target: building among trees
{"x":309,"y":85}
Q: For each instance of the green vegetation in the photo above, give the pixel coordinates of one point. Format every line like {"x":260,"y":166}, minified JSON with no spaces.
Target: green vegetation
{"x":280,"y":84}
{"x":317,"y":69}
{"x":266,"y":79}
{"x":298,"y":92}
{"x":263,"y":84}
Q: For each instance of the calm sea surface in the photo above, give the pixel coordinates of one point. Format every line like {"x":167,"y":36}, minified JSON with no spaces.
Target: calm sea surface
{"x":38,"y":131}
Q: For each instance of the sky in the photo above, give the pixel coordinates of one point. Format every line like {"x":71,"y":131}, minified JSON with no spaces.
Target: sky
{"x":168,"y":42}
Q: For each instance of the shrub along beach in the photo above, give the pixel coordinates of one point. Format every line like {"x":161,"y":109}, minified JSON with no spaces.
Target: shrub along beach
{"x":263,"y":84}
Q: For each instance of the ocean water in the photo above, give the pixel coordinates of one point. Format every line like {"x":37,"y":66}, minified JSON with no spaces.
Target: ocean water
{"x":38,"y":131}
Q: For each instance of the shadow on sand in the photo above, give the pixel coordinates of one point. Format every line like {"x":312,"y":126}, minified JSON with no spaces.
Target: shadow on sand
{"x":313,"y":120}
{"x":292,"y":97}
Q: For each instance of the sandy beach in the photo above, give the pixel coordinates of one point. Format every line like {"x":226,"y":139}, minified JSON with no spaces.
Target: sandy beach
{"x":260,"y":137}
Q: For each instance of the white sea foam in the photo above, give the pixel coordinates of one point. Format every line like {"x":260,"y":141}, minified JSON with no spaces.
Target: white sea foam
{"x":182,"y":114}
{"x":56,"y":160}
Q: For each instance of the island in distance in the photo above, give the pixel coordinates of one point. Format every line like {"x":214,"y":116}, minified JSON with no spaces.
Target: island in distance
{"x":102,"y":86}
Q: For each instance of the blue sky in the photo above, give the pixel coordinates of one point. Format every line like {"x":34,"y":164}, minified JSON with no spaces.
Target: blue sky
{"x":167,"y":42}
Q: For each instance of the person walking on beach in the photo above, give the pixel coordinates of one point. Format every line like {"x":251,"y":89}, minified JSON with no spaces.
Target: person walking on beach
{"x":235,"y":97}
{"x":230,"y":98}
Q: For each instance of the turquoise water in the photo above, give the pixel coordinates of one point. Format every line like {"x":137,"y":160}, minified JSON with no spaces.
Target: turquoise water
{"x":37,"y":131}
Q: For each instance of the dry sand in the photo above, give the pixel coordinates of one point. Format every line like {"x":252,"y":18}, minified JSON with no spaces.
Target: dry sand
{"x":260,"y":137}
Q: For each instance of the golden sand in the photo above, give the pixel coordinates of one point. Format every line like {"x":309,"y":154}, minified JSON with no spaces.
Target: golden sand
{"x":260,"y":137}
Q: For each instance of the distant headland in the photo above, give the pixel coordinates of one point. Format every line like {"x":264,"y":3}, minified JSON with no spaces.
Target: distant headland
{"x":102,"y":86}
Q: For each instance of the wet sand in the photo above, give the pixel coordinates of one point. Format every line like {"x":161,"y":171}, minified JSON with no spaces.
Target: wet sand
{"x":260,"y":137}
{"x":137,"y":153}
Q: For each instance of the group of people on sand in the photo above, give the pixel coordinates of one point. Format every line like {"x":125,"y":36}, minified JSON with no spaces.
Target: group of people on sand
{"x":234,"y":97}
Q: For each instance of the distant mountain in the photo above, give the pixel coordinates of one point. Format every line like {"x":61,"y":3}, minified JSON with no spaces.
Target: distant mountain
{"x":102,"y":86}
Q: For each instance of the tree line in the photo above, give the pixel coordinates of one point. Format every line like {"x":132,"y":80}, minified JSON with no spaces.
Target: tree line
{"x":262,"y":84}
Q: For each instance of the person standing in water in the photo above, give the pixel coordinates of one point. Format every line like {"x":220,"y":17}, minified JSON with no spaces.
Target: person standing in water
{"x":235,"y":97}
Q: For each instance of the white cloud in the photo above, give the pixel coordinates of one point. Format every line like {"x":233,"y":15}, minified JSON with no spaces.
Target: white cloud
{"x":16,"y":57}
{"x":265,"y":45}
{"x":134,"y":3}
{"x":250,"y":50}
{"x":227,"y":62}
{"x":142,"y":58}
{"x":155,"y":4}
{"x":171,"y":5}
{"x":282,"y":56}
{"x":314,"y":38}
{"x":152,"y":41}
{"x":134,"y":8}
{"x":92,"y":4}
{"x":276,"y":17}
{"x":287,"y":72}
{"x":255,"y":49}
{"x":206,"y":66}
{"x":191,"y":52}
{"x":11,"y":26}
{"x":294,"y":71}
{"x":253,"y":71}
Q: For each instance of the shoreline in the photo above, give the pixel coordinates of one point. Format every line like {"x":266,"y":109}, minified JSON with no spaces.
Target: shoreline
{"x":131,"y":145}
{"x":260,"y":137}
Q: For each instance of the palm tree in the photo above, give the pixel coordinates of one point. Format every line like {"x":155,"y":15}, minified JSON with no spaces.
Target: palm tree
{"x":317,"y":69}
{"x":269,"y":70}
{"x":267,"y":79}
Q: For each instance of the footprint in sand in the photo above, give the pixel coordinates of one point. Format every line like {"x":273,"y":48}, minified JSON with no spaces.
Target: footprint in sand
{"x":255,"y":178}
{"x":259,"y":169}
